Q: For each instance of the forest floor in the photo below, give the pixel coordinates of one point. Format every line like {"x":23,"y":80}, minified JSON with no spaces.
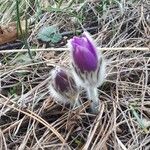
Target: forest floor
{"x":30,"y":119}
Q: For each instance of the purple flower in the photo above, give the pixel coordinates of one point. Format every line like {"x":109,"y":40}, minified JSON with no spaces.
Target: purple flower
{"x":84,"y":53}
{"x":63,"y":87}
{"x":88,"y":66}
{"x":62,"y":81}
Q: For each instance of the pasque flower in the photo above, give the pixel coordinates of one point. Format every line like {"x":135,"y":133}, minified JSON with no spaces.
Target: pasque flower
{"x":88,"y":65}
{"x":63,"y":87}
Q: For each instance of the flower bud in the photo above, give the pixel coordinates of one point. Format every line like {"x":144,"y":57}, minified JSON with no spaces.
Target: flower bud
{"x":63,"y":87}
{"x":84,"y":54}
{"x":88,"y":66}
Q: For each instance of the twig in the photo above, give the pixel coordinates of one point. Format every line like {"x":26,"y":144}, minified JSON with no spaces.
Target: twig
{"x":16,"y":45}
{"x":35,"y":117}
{"x":66,"y":49}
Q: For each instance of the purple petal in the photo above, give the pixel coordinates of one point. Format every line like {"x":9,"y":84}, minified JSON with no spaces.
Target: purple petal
{"x":63,"y":82}
{"x":84,"y":41}
{"x":77,"y":40}
{"x":84,"y":59}
{"x":84,"y":52}
{"x":90,"y":43}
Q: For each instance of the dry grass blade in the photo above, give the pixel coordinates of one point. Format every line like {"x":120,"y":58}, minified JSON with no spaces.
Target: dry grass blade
{"x":94,"y":128}
{"x":3,"y":141}
{"x":121,"y":144}
{"x":66,"y":49}
{"x":30,"y":118}
{"x":35,"y":117}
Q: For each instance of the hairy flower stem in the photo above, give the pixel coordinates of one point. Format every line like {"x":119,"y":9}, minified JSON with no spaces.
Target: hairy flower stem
{"x":77,"y":103}
{"x":93,"y":96}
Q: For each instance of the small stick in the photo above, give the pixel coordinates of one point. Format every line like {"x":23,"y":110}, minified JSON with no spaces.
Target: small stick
{"x":66,"y":49}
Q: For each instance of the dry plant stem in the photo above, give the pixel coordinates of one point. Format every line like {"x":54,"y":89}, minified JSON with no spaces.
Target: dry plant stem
{"x":93,"y":129}
{"x":36,"y":117}
{"x":77,"y":102}
{"x":93,"y":96}
{"x":66,"y":49}
{"x":123,"y":32}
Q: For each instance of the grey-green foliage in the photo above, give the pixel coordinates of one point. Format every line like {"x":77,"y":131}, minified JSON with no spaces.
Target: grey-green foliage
{"x":49,"y":34}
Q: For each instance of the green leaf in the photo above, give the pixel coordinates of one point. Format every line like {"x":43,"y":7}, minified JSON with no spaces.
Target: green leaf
{"x":45,"y":33}
{"x":56,"y":38}
{"x":49,"y":34}
{"x":140,"y":122}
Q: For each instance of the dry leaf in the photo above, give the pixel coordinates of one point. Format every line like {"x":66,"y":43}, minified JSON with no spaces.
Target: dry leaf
{"x":9,"y":33}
